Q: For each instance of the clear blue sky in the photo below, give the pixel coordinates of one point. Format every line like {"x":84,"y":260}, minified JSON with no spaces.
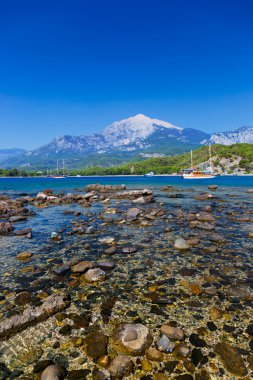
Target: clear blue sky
{"x":75,"y":66}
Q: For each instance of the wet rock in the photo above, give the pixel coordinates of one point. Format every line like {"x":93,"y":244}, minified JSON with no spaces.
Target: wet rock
{"x":93,"y":275}
{"x":154,"y":355}
{"x":196,"y":341}
{"x":96,"y":344}
{"x":181,"y":244}
{"x":120,"y":367}
{"x":54,"y":372}
{"x":65,"y":330}
{"x":203,"y":196}
{"x":24,"y":256}
{"x":165,"y":345}
{"x":111,"y":250}
{"x":250,"y":191}
{"x":212,"y":187}
{"x":56,"y":236}
{"x":172,"y":332}
{"x":78,"y":374}
{"x":144,"y":199}
{"x":131,"y":339}
{"x":103,"y":375}
{"x":41,"y":365}
{"x":90,"y":230}
{"x":231,"y":359}
{"x":22,"y":298}
{"x":32,"y":315}
{"x":160,"y":376}
{"x":5,"y":228}
{"x":202,"y":375}
{"x":28,"y":356}
{"x":181,"y":350}
{"x":24,"y":231}
{"x":197,"y":356}
{"x":132,"y":213}
{"x":129,"y":250}
{"x":17,"y":218}
{"x":106,"y":265}
{"x":82,"y":266}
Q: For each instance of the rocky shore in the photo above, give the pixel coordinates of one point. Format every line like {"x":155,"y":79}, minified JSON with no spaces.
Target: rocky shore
{"x":115,"y":283}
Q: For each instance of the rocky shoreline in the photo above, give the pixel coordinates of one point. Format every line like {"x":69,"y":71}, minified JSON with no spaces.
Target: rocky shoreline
{"x":123,"y":283}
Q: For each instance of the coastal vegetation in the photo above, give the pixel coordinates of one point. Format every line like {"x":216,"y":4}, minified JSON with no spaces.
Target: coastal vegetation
{"x":237,"y":158}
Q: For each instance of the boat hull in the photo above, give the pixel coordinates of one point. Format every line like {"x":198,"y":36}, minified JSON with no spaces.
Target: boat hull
{"x":199,"y":177}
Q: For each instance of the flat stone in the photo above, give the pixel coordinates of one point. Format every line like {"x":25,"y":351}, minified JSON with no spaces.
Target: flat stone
{"x":231,"y":359}
{"x":32,"y":315}
{"x":82,"y":266}
{"x":25,"y":231}
{"x":96,"y":344}
{"x":94,"y":275}
{"x":172,"y":332}
{"x":106,"y":265}
{"x":24,"y":256}
{"x":132,"y":213}
{"x":181,"y":244}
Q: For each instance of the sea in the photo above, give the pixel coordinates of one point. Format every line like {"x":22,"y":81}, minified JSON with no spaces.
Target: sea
{"x":205,"y":290}
{"x":33,"y":185}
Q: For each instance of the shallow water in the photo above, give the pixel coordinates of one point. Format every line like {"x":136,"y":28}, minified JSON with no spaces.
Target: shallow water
{"x":155,"y":285}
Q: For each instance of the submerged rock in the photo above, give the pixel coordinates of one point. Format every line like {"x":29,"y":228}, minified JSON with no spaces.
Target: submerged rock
{"x":172,"y":332}
{"x":32,"y":315}
{"x":231,"y":359}
{"x":120,"y":367}
{"x":131,"y":339}
{"x":96,"y":344}
{"x":93,"y":275}
{"x":181,"y":244}
{"x":5,"y":228}
{"x":82,"y":266}
{"x":24,"y":256}
{"x":54,"y":372}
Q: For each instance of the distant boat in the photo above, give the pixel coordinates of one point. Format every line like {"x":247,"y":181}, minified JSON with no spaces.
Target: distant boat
{"x":150,"y":174}
{"x":199,"y":174}
{"x":58,"y":175}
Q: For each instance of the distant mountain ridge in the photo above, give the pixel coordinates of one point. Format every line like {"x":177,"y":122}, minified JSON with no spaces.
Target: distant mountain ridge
{"x":123,"y":141}
{"x":8,"y":153}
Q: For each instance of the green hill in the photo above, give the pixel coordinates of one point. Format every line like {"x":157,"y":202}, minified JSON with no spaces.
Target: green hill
{"x":233,"y":158}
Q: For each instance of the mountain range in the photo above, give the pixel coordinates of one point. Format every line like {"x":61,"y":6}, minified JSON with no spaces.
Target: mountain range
{"x":120,"y":142}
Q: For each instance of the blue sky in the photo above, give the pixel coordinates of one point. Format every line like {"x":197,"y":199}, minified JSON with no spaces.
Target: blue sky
{"x":75,"y":66}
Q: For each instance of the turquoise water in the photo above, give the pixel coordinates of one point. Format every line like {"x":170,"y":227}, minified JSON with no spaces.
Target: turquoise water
{"x":32,"y":185}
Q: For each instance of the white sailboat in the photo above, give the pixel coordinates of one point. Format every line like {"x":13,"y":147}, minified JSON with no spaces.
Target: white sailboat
{"x":200,"y":174}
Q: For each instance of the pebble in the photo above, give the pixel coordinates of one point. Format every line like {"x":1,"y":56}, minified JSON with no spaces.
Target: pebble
{"x":24,"y":256}
{"x":181,"y":244}
{"x":172,"y":332}
{"x":93,"y":275}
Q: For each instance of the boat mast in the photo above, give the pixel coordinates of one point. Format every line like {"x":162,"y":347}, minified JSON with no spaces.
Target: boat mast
{"x":210,"y":158}
{"x":191,"y":160}
{"x":57,"y":167}
{"x":63,"y":167}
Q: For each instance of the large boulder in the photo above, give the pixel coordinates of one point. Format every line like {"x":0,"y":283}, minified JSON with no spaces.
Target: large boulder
{"x":131,"y":339}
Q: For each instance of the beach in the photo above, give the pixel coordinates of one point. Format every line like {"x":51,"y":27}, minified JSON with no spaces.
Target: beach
{"x":135,"y":278}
